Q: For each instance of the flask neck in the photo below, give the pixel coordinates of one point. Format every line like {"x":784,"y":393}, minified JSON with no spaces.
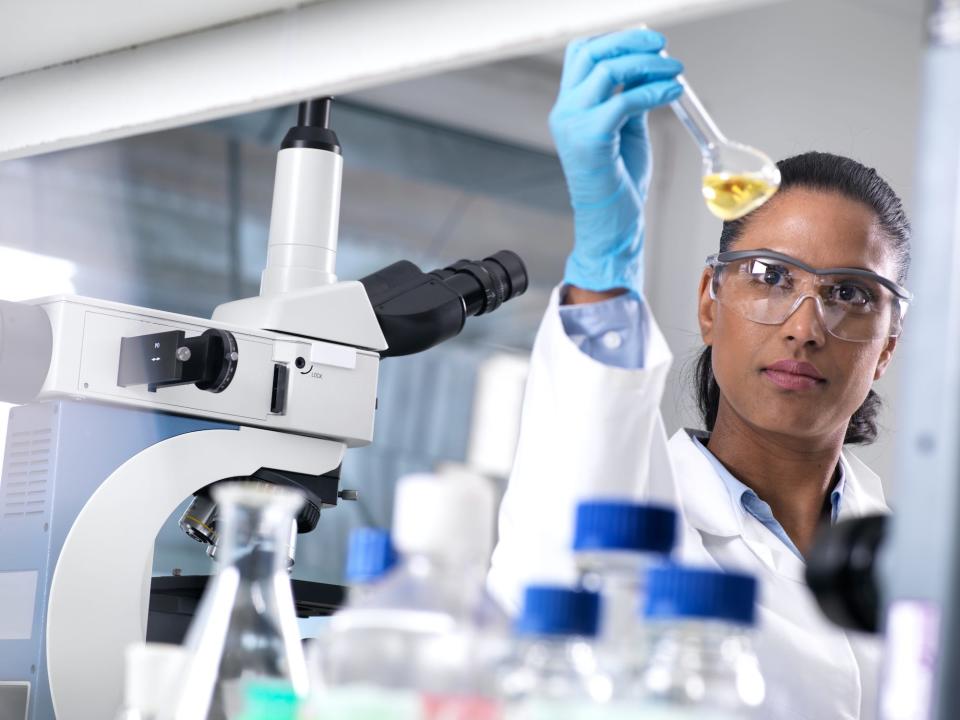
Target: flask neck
{"x":691,"y":113}
{"x":258,"y":540}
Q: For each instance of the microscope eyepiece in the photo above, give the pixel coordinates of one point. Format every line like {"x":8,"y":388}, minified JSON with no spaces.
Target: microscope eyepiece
{"x":486,"y":284}
{"x":418,"y":310}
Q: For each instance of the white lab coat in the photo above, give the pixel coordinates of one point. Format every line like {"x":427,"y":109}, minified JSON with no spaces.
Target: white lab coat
{"x":591,"y":430}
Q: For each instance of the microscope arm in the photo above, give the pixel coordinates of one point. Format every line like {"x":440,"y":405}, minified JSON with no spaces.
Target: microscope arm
{"x":94,"y":610}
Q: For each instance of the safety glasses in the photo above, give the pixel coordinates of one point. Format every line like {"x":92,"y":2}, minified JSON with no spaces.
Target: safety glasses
{"x":767,"y":287}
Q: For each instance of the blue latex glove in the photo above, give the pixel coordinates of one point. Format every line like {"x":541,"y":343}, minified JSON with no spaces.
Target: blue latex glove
{"x":603,"y":144}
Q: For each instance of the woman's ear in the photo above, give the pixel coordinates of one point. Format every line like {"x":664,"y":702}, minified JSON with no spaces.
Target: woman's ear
{"x":707,"y":307}
{"x":886,"y":355}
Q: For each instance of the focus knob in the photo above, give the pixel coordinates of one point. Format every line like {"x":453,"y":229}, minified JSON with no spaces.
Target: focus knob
{"x":26,"y":347}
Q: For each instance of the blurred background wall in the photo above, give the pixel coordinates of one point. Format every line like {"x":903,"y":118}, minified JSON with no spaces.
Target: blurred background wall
{"x":461,"y":165}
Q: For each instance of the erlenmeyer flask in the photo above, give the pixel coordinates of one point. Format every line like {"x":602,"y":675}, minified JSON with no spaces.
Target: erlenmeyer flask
{"x":246,"y":626}
{"x":736,"y":178}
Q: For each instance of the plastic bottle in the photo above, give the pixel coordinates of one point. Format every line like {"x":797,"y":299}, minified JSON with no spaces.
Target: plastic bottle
{"x":246,"y":627}
{"x":370,"y":556}
{"x":555,"y":672}
{"x":424,"y":642}
{"x":615,"y":544}
{"x":701,"y":663}
{"x":152,"y":669}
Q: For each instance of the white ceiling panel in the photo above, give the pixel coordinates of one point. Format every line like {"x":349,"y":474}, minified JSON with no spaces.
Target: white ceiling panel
{"x":40,"y":33}
{"x":239,"y":65}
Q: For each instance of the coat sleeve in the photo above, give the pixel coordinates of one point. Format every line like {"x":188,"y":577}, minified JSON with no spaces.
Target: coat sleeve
{"x":588,"y":430}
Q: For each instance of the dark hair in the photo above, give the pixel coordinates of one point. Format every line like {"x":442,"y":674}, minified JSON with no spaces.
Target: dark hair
{"x":838,"y":174}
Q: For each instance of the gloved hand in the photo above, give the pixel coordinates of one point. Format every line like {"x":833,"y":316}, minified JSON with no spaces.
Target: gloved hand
{"x":601,"y":138}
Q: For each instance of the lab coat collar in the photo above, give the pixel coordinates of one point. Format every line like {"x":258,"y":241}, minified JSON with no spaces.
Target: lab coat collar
{"x":712,"y":510}
{"x":863,"y":491}
{"x":709,"y":507}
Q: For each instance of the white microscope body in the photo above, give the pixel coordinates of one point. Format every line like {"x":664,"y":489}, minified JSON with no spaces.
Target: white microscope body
{"x":284,"y":382}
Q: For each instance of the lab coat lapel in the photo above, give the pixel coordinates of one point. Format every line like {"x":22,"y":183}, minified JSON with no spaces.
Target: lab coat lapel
{"x":709,"y":508}
{"x":706,"y":503}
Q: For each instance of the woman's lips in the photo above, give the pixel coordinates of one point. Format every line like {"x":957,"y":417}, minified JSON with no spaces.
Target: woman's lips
{"x":793,"y":375}
{"x":790,"y":381}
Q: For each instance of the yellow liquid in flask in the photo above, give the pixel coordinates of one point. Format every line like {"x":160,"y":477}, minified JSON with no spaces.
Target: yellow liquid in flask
{"x":731,"y":196}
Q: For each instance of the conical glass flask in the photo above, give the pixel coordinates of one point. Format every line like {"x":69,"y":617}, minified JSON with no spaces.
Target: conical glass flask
{"x":736,"y":178}
{"x":246,"y":626}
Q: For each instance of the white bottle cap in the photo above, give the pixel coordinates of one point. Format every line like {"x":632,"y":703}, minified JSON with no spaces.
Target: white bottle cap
{"x":451,"y":517}
{"x":152,"y":672}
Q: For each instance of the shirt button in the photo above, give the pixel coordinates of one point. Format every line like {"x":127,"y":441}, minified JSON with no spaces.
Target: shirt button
{"x":611,"y":340}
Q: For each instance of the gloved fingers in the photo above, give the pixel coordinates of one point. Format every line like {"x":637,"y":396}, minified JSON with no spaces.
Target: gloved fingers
{"x":636,"y":151}
{"x":582,"y":54}
{"x":626,"y":71}
{"x":615,"y":112}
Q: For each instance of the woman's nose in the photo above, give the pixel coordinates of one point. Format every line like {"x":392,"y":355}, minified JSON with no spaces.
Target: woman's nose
{"x":805,"y":324}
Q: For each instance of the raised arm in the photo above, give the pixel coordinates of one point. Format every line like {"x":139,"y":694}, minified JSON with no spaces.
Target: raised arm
{"x":599,"y":125}
{"x":591,"y":424}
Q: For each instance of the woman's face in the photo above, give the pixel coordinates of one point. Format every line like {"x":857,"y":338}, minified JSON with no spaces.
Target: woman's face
{"x":823,"y":229}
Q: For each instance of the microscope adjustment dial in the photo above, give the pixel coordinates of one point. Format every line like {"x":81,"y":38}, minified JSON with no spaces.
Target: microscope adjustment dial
{"x":221,"y":357}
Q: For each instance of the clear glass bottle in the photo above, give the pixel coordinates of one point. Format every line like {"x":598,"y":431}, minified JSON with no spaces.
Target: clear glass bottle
{"x":701,"y":663}
{"x":423,"y":643}
{"x":615,"y":543}
{"x":246,"y":626}
{"x":555,"y":672}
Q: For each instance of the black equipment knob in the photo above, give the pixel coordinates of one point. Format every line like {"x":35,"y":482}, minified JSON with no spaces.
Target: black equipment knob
{"x":218,"y":359}
{"x":842,"y":571}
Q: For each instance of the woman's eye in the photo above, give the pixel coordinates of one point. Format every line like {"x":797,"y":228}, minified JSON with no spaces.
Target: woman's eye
{"x":851,"y":295}
{"x":773,"y":276}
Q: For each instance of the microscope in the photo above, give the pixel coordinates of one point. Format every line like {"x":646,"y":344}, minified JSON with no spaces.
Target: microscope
{"x":125,"y":412}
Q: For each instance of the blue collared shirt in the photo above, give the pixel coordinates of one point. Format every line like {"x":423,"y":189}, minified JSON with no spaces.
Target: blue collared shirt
{"x":753,"y":505}
{"x":615,"y":333}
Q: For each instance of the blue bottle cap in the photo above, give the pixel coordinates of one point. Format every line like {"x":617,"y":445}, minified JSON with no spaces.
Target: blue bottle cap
{"x":683,"y":592}
{"x":556,"y":610}
{"x":623,"y":525}
{"x":370,"y":555}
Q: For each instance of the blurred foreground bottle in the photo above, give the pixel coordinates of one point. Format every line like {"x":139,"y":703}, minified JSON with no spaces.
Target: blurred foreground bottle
{"x":245,"y":629}
{"x":701,"y":664}
{"x":615,"y":544}
{"x":422,"y":643}
{"x":555,"y":672}
{"x":370,"y":556}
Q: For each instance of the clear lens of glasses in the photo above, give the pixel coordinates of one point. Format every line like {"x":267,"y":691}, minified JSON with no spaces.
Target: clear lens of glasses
{"x":852,"y":306}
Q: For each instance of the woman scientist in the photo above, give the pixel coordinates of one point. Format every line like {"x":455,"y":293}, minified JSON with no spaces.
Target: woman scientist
{"x":800,"y":313}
